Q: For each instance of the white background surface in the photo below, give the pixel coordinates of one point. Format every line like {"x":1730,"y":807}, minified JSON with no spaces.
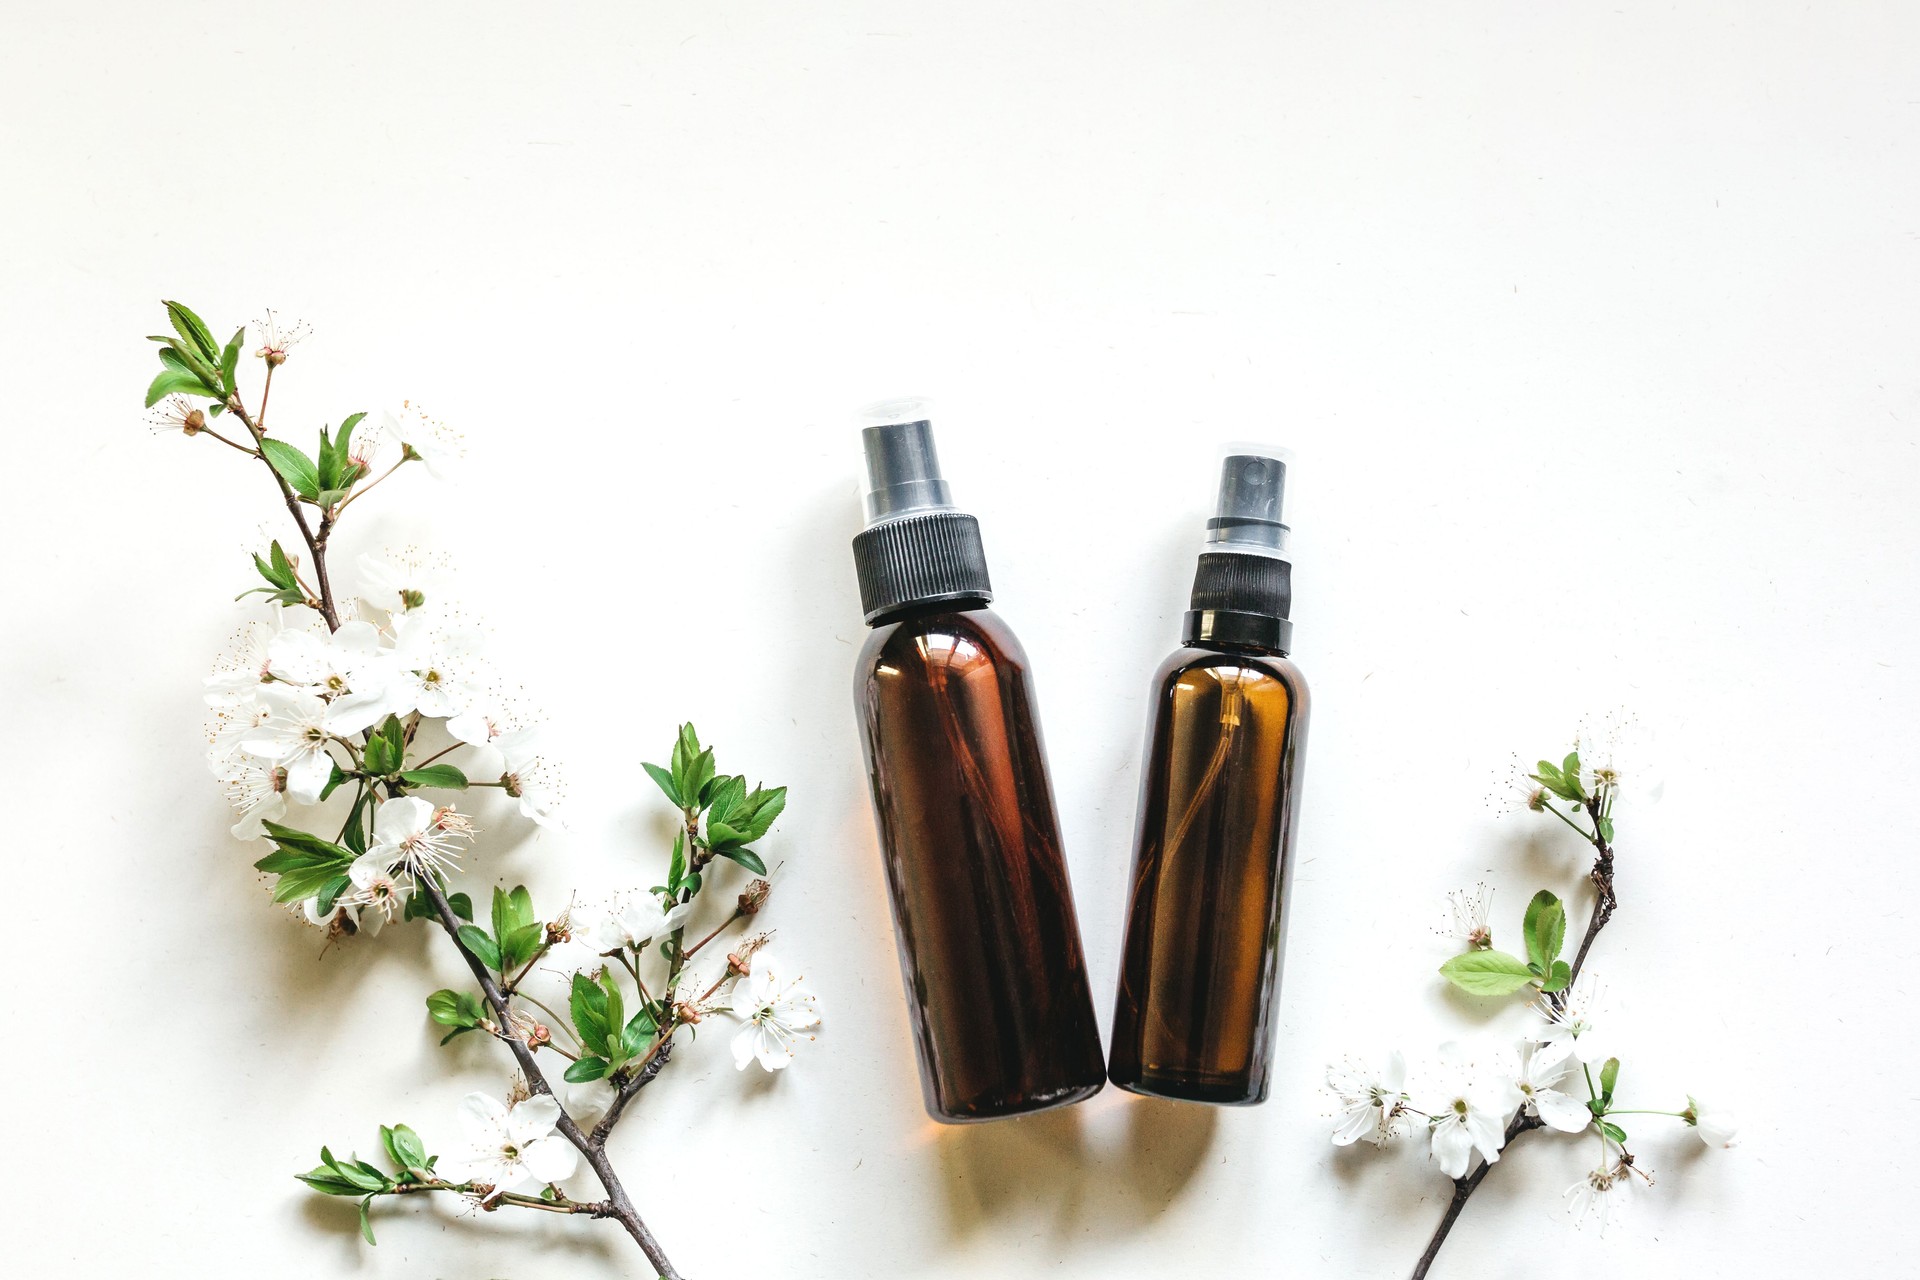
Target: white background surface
{"x":1594,"y":328}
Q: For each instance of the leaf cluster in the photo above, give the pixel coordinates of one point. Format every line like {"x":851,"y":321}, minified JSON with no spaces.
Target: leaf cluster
{"x":192,"y":363}
{"x":723,"y":817}
{"x":355,"y":1177}
{"x":515,"y":936}
{"x":1496,"y":973}
{"x":612,"y":1039}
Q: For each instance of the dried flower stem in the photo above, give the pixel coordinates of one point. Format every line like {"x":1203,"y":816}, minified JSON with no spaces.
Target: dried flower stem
{"x":1601,"y":875}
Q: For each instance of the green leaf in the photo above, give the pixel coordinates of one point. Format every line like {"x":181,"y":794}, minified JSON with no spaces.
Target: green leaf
{"x":677,"y":865}
{"x":366,"y":1223}
{"x":192,"y":328}
{"x":1558,"y":977}
{"x":462,"y":905}
{"x":477,"y":940}
{"x":230,"y":361}
{"x":728,"y":795}
{"x":404,"y":1145}
{"x":1553,"y":780}
{"x":1545,"y":929}
{"x":330,"y":893}
{"x":334,"y":779}
{"x":327,"y":1182}
{"x":306,"y":864}
{"x":1487,"y":973}
{"x":436,"y":775}
{"x":1609,"y":1074}
{"x":169,"y":381}
{"x":588,"y":1007}
{"x":616,"y":1008}
{"x":765,"y":806}
{"x":295,"y":467}
{"x":456,"y":1008}
{"x":1614,"y":1131}
{"x":699,"y":774}
{"x":638,"y":1031}
{"x":664,"y":779}
{"x":586,"y":1069}
{"x":522,"y":944}
{"x":1605,"y":825}
{"x":753,"y":862}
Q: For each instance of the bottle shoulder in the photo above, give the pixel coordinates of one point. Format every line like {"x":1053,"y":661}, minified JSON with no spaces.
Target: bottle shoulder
{"x":943,"y":636}
{"x":1190,"y":659}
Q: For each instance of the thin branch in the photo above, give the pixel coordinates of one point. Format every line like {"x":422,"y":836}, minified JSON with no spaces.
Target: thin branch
{"x":1601,"y":874}
{"x":595,"y":1154}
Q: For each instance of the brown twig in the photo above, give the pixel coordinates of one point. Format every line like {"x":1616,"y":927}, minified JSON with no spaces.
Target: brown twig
{"x":618,"y":1205}
{"x":1601,"y":876}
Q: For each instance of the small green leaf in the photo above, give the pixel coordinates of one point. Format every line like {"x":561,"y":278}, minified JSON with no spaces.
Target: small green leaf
{"x":1558,"y":977}
{"x":333,"y":780}
{"x":436,"y":775}
{"x":588,"y":1007}
{"x":327,"y":1182}
{"x":192,"y":328}
{"x":1605,"y":825}
{"x":478,"y":941}
{"x":1614,"y":1131}
{"x":1609,"y":1074}
{"x":1545,"y":929}
{"x":295,"y":467}
{"x":586,"y":1069}
{"x":663,"y":779}
{"x":455,"y":1008}
{"x":230,"y":361}
{"x":750,"y":860}
{"x":366,"y":1223}
{"x":169,"y":381}
{"x":1487,"y":973}
{"x":462,"y":905}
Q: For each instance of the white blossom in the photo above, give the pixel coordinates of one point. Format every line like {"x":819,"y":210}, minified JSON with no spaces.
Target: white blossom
{"x":1468,"y":908}
{"x":1467,"y":1118}
{"x":634,"y":922}
{"x":509,"y":1146}
{"x":1572,"y":1025}
{"x":1372,"y":1105}
{"x":295,"y":736}
{"x":258,"y":792}
{"x":1717,"y":1127}
{"x":778,"y":1013}
{"x":411,"y":833}
{"x":378,"y":893}
{"x":427,"y":438}
{"x":439,"y":671}
{"x":251,"y":667}
{"x":400,"y":582}
{"x":1532,"y":1085}
{"x":1602,"y":1194}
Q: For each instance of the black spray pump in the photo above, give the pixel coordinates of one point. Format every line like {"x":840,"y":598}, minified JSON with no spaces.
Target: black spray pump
{"x":997,"y":992}
{"x":1219,"y":798}
{"x":1243,"y":587}
{"x":916,"y":548}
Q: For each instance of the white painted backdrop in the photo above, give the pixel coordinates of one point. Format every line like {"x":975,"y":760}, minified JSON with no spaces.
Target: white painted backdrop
{"x":1594,"y":327}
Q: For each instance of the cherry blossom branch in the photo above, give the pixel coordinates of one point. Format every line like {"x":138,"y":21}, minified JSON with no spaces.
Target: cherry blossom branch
{"x":593,"y":1151}
{"x":1601,"y":876}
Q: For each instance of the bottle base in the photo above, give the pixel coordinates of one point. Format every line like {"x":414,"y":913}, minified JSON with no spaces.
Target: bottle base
{"x":1022,"y":1107}
{"x":1181,"y":1087}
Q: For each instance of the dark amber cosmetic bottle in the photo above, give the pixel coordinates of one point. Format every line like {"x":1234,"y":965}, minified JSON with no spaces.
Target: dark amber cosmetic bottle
{"x":997,"y":992}
{"x":1206,"y":915}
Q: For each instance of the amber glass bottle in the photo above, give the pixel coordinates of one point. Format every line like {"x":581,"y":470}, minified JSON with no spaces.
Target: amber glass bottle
{"x":1206,"y":913}
{"x":989,"y":945}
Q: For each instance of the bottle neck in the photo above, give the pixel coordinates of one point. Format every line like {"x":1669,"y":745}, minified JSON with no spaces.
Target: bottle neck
{"x":927,"y":608}
{"x":1233,"y":630}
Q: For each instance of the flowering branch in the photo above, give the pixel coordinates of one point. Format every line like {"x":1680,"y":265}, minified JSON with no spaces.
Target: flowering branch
{"x":308,"y":712}
{"x":1474,"y":1119}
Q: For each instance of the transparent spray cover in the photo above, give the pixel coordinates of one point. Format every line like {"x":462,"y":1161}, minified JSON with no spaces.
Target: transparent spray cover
{"x":1247,"y":517}
{"x":903,"y":471}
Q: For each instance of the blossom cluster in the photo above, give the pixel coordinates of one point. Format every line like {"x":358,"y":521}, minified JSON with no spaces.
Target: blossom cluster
{"x":1562,"y":1074}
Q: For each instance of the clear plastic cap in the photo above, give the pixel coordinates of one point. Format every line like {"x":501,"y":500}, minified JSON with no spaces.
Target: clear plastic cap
{"x":903,"y":471}
{"x":1253,"y":490}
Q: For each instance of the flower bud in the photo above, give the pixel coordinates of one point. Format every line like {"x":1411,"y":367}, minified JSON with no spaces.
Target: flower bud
{"x":755,"y":897}
{"x":687,"y":1011}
